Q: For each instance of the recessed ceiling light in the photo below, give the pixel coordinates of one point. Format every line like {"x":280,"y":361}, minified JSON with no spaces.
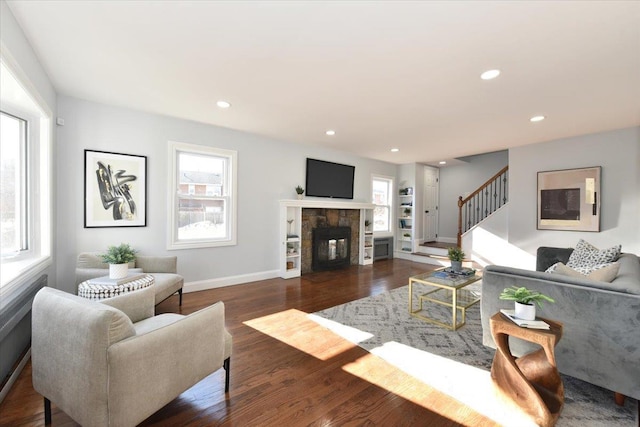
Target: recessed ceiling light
{"x":223,"y":104}
{"x":442,"y":163}
{"x":490,"y":74}
{"x":395,"y":150}
{"x":330,"y":132}
{"x":537,"y":118}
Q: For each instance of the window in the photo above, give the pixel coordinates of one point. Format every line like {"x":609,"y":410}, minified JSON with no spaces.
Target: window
{"x":13,"y":177}
{"x":203,"y":205}
{"x":25,"y":181}
{"x":382,"y":190}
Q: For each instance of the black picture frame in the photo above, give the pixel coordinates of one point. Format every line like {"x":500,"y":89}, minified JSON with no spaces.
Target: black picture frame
{"x":115,"y":189}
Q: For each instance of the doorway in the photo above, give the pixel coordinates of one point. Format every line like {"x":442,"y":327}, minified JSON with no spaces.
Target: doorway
{"x":431,"y":181}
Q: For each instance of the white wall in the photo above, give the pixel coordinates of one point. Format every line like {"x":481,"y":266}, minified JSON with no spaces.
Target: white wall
{"x":618,"y":152}
{"x":268,"y":170}
{"x":461,"y":180}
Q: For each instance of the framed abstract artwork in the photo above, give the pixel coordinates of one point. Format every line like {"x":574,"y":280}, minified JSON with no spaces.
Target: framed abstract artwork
{"x":569,"y":199}
{"x":115,"y":189}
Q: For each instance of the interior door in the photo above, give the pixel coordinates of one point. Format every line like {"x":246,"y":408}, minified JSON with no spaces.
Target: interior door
{"x":430,"y":204}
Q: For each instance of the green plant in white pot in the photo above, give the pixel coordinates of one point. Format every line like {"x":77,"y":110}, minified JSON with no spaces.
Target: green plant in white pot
{"x":456,"y":255}
{"x":524,"y":301}
{"x":300,"y":192}
{"x":118,"y":258}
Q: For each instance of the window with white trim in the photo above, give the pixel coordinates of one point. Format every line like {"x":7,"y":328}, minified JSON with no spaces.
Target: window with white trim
{"x":382,"y":197}
{"x":203,"y":196}
{"x":25,"y":181}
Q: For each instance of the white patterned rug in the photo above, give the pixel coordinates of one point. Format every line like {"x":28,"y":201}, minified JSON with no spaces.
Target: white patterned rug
{"x":457,"y":363}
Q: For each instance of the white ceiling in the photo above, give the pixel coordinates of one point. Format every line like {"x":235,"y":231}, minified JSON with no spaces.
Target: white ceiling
{"x":382,"y":74}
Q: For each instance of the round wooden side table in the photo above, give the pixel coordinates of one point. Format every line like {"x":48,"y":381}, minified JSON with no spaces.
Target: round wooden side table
{"x":531,"y":381}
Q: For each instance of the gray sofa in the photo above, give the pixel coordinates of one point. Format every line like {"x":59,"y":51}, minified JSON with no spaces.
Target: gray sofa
{"x":162,"y":268}
{"x":601,"y":335}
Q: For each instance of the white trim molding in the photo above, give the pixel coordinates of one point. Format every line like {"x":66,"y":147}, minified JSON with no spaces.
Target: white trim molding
{"x":203,"y":285}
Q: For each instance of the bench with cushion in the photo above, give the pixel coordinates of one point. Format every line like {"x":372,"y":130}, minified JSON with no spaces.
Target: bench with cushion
{"x":162,"y":268}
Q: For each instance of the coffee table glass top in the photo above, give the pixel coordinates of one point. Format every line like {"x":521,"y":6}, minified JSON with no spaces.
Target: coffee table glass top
{"x":456,"y":281}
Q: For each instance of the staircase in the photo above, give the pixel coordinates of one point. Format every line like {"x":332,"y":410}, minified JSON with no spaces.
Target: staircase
{"x":484,"y":201}
{"x":487,"y":199}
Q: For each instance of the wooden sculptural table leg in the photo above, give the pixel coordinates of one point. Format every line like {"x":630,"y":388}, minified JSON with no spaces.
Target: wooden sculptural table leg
{"x":532,"y":380}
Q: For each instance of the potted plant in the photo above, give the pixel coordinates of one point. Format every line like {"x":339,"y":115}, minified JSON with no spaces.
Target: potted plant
{"x":524,"y":299}
{"x":456,"y":255}
{"x":300,"y":191}
{"x":118,"y":258}
{"x":367,"y":223}
{"x":407,"y":212}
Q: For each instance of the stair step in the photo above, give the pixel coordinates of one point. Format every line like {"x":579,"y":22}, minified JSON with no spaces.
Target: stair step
{"x":432,"y":249}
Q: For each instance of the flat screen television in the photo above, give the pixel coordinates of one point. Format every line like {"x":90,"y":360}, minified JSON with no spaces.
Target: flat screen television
{"x":328,"y":179}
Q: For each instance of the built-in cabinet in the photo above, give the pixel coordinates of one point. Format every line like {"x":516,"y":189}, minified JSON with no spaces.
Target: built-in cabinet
{"x":366,"y":233}
{"x":291,"y":232}
{"x":406,"y":220}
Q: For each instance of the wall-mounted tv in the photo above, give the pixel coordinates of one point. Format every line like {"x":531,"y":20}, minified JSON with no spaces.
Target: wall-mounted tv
{"x":328,"y":179}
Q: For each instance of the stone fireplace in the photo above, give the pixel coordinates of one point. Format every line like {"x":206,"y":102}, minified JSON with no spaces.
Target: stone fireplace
{"x":329,"y":219}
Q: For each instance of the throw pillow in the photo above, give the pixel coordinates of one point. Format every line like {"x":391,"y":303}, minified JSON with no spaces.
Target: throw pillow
{"x":587,"y":255}
{"x":603,"y":272}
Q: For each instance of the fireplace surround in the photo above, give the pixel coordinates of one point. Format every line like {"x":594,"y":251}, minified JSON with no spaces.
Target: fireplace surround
{"x":298,"y":218}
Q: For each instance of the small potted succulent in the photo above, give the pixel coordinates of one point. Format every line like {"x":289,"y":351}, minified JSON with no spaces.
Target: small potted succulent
{"x":300,"y":192}
{"x":524,"y":301}
{"x":118,"y":258}
{"x":456,"y":255}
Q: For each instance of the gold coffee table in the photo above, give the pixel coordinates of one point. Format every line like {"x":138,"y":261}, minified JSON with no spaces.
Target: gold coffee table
{"x":449,"y":292}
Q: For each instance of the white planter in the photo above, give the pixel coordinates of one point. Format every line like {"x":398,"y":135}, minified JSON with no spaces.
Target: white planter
{"x":456,"y":266}
{"x":300,"y":196}
{"x":525,"y":311}
{"x":118,"y":271}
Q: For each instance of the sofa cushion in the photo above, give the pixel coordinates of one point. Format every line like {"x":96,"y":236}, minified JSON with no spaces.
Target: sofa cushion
{"x":156,"y":322}
{"x":604,"y":273}
{"x":587,"y":255}
{"x":166,"y":284}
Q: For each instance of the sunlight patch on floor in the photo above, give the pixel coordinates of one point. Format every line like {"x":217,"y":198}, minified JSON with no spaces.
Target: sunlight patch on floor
{"x":471,"y":386}
{"x":352,"y":334}
{"x":383,"y":374}
{"x":293,"y":327}
{"x":467,"y":384}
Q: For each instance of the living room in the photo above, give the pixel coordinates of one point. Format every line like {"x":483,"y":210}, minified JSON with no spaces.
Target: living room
{"x":270,"y":167}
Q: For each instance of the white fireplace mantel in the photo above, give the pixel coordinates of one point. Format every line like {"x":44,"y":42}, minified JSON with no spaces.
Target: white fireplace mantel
{"x":326,"y":204}
{"x":290,"y":242}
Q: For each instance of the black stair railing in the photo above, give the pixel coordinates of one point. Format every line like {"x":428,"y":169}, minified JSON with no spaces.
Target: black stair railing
{"x":483,"y":202}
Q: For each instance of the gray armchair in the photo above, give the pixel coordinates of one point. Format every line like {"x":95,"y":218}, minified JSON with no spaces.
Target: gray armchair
{"x":162,"y":268}
{"x":113,"y":363}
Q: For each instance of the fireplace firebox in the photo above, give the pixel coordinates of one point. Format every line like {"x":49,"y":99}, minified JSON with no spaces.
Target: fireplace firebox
{"x":331,"y":248}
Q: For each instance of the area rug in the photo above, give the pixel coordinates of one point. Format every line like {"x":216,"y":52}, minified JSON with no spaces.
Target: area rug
{"x":457,"y":363}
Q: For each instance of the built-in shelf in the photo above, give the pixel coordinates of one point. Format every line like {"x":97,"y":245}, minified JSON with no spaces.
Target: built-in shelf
{"x":405,"y":218}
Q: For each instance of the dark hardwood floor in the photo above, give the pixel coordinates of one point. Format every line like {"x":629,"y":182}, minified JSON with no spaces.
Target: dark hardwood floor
{"x":285,"y":369}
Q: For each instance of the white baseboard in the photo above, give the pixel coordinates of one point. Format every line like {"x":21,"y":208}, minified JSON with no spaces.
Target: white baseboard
{"x":203,"y":285}
{"x":14,"y":376}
